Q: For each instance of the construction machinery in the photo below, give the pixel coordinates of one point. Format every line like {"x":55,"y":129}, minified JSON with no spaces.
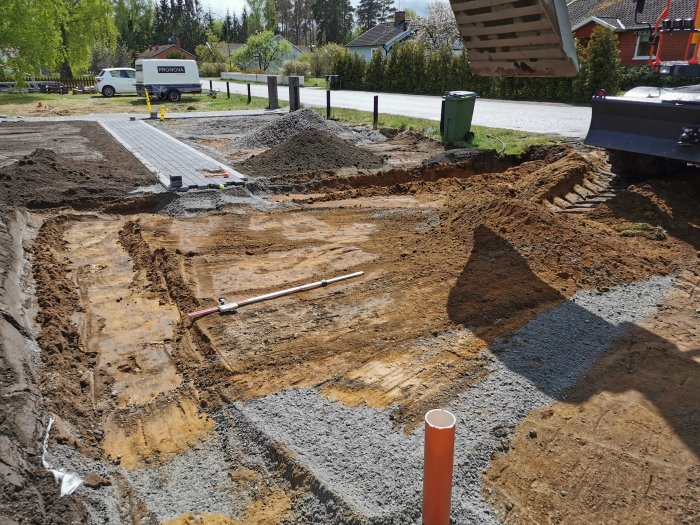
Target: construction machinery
{"x":647,"y":131}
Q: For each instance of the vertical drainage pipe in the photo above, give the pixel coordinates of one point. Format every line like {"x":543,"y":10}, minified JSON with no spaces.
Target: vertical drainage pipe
{"x":437,"y":467}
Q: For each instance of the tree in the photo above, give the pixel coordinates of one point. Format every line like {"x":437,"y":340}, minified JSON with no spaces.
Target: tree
{"x":371,"y":12}
{"x":374,"y":75}
{"x":334,"y":19}
{"x":271,"y":16}
{"x":83,"y":24}
{"x":602,"y":61}
{"x":262,"y":49}
{"x":211,"y":50}
{"x":256,"y":16}
{"x":134,"y":21}
{"x":30,"y":36}
{"x":183,"y":19}
{"x":438,"y":28}
{"x":245,"y":27}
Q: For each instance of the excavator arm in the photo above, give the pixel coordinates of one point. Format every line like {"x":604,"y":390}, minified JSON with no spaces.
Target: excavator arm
{"x":517,"y":38}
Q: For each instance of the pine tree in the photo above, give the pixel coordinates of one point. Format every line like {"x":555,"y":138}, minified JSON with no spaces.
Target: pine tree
{"x":334,"y":19}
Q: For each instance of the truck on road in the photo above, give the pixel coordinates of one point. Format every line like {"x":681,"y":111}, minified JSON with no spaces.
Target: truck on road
{"x":167,"y":79}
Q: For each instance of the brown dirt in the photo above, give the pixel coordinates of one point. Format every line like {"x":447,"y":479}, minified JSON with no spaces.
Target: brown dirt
{"x":624,"y":447}
{"x":311,"y":150}
{"x":43,"y":179}
{"x":134,"y":382}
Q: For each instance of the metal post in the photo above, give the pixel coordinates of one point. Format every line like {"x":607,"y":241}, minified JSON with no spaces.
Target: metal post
{"x":442,"y":118}
{"x":249,"y":97}
{"x":376,"y":112}
{"x":328,"y":104}
{"x":211,"y":86}
{"x":293,"y":93}
{"x":228,"y":90}
{"x":272,"y":92}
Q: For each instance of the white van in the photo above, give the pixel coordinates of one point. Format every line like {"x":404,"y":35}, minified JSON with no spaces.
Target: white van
{"x":167,"y":79}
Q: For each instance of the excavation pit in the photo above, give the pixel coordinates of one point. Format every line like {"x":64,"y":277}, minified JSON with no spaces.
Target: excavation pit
{"x":477,"y":298}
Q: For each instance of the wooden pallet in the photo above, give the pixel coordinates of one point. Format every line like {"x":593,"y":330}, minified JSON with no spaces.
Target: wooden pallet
{"x":517,"y":38}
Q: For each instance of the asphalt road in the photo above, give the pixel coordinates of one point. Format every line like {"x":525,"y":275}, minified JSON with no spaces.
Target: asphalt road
{"x":536,"y":117}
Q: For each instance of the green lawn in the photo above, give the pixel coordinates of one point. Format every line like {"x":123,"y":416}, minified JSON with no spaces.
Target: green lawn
{"x":515,"y":141}
{"x":36,"y":104}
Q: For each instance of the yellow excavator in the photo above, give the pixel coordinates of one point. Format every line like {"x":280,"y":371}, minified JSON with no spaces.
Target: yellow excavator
{"x":646,"y":133}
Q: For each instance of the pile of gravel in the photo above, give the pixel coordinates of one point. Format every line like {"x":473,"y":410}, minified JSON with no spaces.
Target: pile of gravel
{"x":309,"y":151}
{"x":292,"y":123}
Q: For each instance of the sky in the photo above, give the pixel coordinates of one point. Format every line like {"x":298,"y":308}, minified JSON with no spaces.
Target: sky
{"x":219,"y":7}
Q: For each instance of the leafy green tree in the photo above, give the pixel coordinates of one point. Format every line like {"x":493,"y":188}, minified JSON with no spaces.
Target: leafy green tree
{"x":176,"y":55}
{"x":211,"y":50}
{"x":30,"y":36}
{"x":83,"y":24}
{"x":374,"y":75}
{"x":322,"y":59}
{"x":262,"y":49}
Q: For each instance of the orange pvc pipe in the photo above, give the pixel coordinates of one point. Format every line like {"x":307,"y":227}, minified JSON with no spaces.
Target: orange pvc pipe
{"x":437,"y":467}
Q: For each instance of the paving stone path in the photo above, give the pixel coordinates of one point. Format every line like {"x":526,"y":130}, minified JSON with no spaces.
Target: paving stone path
{"x":178,"y":166}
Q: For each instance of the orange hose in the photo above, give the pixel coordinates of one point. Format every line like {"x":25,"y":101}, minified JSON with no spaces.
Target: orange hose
{"x":437,"y":467}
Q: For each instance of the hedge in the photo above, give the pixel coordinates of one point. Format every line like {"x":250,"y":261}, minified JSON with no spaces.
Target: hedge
{"x":410,"y":68}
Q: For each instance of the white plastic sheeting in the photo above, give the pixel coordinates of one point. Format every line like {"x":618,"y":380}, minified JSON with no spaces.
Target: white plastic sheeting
{"x":69,"y":481}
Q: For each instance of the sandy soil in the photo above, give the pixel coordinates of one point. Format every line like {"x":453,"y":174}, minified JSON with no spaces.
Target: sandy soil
{"x":457,"y":257}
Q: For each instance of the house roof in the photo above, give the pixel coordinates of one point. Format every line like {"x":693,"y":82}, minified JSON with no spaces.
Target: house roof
{"x":379,"y":35}
{"x":157,"y":50}
{"x":618,"y":15}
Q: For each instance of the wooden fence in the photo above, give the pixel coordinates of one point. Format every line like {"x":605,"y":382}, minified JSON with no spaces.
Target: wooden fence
{"x":70,"y":82}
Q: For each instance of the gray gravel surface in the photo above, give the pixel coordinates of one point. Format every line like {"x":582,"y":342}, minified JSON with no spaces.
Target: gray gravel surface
{"x":290,"y":124}
{"x":376,"y":469}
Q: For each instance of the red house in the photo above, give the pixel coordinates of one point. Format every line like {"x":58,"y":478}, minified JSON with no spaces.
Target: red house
{"x":163,"y":51}
{"x":633,"y":35}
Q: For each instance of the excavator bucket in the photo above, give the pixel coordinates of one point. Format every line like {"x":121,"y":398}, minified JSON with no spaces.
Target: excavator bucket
{"x":517,"y":38}
{"x":668,"y":129}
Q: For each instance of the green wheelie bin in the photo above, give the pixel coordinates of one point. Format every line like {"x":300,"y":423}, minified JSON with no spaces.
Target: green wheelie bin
{"x":457,"y":116}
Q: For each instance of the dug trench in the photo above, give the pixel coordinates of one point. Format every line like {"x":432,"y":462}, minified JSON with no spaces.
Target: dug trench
{"x":307,"y":409}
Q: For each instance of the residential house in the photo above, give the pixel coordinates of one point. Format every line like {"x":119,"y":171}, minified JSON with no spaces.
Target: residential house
{"x":163,"y":51}
{"x":382,"y":36}
{"x":633,"y":33}
{"x":229,"y":49}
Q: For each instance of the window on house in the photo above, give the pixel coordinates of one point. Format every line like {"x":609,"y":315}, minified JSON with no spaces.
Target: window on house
{"x":643,"y":47}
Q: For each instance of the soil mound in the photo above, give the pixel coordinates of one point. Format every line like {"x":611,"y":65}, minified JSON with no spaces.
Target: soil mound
{"x":292,"y":123}
{"x":44,"y":179}
{"x":309,"y":151}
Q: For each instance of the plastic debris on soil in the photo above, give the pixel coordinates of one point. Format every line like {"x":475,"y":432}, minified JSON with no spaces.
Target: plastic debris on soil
{"x":69,"y":481}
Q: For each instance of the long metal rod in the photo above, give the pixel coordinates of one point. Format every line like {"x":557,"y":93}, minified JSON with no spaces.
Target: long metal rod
{"x":228,"y":307}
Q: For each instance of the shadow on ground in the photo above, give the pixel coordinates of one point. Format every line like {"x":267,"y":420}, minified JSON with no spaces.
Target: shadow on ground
{"x":556,"y":349}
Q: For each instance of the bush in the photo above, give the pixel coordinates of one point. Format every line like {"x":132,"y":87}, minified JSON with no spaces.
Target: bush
{"x":212,"y":69}
{"x":321,"y":60}
{"x":296,"y":68}
{"x":374,"y":74}
{"x":176,"y":55}
{"x":351,"y":68}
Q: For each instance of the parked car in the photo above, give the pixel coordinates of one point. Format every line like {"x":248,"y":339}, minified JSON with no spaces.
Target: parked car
{"x":116,"y":81}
